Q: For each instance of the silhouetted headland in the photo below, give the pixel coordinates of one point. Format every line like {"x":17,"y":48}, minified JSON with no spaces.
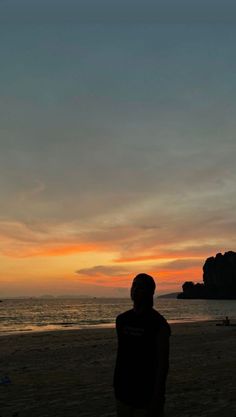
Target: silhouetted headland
{"x":219,"y":279}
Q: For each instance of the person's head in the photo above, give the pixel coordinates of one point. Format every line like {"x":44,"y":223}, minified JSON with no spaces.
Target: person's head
{"x":142,"y":291}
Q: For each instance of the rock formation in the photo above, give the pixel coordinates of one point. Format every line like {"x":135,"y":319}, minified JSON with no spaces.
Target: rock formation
{"x":219,"y":279}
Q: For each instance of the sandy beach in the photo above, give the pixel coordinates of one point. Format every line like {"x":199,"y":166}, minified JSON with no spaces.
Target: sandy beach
{"x":69,"y":373}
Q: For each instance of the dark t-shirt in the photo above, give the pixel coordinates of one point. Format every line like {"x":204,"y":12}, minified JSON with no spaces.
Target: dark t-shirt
{"x":137,"y":355}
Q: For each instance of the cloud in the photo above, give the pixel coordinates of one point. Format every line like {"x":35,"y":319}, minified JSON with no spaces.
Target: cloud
{"x":134,"y":237}
{"x":107,"y":276}
{"x":103,"y":270}
{"x":123,"y":12}
{"x":181,"y":264}
{"x":166,"y":274}
{"x":163,"y":252}
{"x":117,"y":141}
{"x":21,"y":240}
{"x":33,"y":192}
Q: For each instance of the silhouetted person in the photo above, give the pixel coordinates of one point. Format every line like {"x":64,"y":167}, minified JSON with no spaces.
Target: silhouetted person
{"x":143,"y":354}
{"x":226,"y":322}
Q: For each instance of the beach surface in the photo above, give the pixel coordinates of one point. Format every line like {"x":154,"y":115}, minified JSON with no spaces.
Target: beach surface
{"x":69,"y":373}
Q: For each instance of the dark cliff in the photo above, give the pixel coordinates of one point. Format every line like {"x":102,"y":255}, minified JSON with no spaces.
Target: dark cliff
{"x":219,"y":279}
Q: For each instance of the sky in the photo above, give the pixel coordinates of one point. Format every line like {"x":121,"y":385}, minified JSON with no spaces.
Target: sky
{"x":117,"y":143}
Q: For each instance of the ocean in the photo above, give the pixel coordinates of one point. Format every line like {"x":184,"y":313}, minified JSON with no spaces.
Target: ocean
{"x":26,"y":315}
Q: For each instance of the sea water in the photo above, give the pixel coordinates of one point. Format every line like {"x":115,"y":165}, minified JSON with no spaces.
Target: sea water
{"x":21,"y":315}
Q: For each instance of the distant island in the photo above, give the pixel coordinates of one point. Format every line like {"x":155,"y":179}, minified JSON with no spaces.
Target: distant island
{"x":219,"y":279}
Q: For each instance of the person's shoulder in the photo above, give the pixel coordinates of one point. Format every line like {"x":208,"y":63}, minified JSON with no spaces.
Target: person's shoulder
{"x":124,"y":316}
{"x":163,"y":325}
{"x":158,"y":316}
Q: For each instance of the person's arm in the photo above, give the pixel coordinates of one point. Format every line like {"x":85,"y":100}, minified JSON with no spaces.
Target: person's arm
{"x":157,"y":403}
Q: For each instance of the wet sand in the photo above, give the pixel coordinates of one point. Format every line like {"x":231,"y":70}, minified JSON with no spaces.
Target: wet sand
{"x":69,"y":373}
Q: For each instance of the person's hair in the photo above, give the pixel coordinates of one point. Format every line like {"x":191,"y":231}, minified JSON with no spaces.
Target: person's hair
{"x":148,"y":280}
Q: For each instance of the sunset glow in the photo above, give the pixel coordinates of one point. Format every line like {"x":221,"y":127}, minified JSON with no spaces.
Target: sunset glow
{"x":117,"y":154}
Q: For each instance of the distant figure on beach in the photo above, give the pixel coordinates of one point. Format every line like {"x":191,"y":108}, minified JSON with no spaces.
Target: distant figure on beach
{"x":226,"y":322}
{"x":143,"y":354}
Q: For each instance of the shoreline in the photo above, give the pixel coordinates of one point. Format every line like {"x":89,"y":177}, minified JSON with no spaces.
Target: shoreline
{"x":67,"y":328}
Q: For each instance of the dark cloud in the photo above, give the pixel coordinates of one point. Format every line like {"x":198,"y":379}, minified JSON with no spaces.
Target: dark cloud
{"x":101,"y":270}
{"x":181,"y":264}
{"x":124,"y":11}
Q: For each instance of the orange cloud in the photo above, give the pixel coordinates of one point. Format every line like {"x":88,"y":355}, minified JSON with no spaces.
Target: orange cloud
{"x":178,"y":276}
{"x":162,"y":255}
{"x":112,"y":276}
{"x":20,"y":241}
{"x":63,"y":250}
{"x":22,"y":251}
